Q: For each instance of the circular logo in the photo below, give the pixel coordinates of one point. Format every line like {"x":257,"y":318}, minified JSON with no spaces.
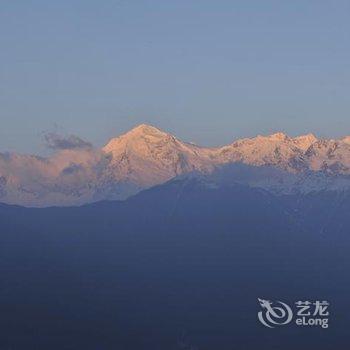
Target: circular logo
{"x":274,"y":313}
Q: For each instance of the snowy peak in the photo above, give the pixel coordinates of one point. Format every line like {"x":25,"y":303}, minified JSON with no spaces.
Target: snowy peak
{"x":305,"y":141}
{"x":147,"y":156}
{"x":277,"y":149}
{"x":145,"y":130}
{"x":331,"y":156}
{"x":146,"y":142}
{"x":278,"y":136}
{"x":140,"y":134}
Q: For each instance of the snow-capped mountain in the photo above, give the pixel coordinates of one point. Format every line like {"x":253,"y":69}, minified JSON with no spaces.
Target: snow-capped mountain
{"x":331,"y":156}
{"x":277,"y":150}
{"x":146,"y":156}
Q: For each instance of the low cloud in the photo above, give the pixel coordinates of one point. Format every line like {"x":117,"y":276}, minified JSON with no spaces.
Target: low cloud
{"x":58,"y":142}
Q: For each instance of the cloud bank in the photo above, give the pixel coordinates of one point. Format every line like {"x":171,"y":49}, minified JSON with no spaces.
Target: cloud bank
{"x":58,"y":142}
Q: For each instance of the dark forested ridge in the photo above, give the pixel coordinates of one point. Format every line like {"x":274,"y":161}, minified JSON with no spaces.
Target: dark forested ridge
{"x":179,"y":266}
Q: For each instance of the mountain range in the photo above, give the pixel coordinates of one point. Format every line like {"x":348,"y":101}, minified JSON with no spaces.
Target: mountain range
{"x":181,"y":264}
{"x":77,"y":173}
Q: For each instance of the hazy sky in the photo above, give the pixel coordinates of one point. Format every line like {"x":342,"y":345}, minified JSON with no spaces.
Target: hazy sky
{"x":208,"y":71}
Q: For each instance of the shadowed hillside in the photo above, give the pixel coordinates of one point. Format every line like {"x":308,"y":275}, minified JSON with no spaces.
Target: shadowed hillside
{"x":179,"y":266}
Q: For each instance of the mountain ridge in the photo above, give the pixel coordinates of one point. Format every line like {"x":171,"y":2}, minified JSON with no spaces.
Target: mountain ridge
{"x":146,"y":156}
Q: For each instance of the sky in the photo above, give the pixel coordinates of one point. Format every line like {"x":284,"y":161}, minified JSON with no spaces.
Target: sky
{"x":206,"y":71}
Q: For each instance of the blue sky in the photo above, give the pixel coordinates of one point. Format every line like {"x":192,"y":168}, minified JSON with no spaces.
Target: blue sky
{"x":207,"y":71}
